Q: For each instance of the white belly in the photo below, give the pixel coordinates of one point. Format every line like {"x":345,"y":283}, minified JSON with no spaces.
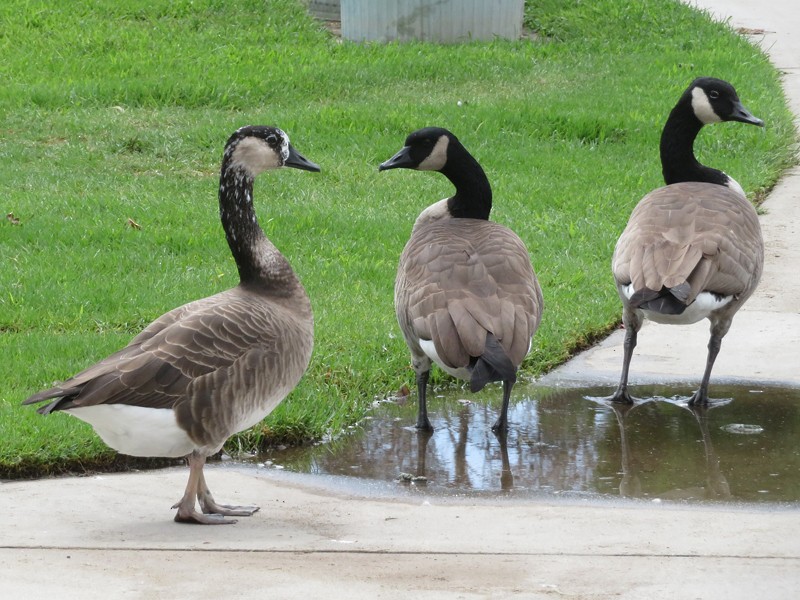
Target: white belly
{"x":698,"y":310}
{"x":137,"y":431}
{"x":429,"y":349}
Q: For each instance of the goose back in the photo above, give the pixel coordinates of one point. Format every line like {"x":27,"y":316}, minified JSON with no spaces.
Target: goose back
{"x":461,"y":279}
{"x":700,"y":235}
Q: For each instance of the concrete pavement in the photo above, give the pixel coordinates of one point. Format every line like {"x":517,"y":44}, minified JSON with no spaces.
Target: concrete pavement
{"x":112,"y":536}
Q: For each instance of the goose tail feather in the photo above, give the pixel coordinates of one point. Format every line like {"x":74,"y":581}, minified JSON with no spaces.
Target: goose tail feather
{"x":667,"y":301}
{"x":493,"y":365}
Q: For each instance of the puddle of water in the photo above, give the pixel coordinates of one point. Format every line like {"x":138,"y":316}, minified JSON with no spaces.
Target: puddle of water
{"x":568,"y":442}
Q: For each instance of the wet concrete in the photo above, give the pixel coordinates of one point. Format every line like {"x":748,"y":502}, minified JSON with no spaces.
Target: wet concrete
{"x":570,"y":442}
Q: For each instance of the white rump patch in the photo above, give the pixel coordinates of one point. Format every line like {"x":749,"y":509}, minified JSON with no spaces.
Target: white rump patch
{"x":429,"y":349}
{"x":701,"y":106}
{"x":437,"y":159}
{"x":700,"y":309}
{"x":136,"y":430}
{"x":627,"y":290}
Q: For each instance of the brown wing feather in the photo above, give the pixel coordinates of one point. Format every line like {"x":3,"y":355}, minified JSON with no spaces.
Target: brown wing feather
{"x":701,"y":234}
{"x":463,"y":321}
{"x":470,"y":277}
{"x":180,"y":348}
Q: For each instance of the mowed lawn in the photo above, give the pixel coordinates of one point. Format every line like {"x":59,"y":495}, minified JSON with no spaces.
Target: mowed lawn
{"x":112,"y":121}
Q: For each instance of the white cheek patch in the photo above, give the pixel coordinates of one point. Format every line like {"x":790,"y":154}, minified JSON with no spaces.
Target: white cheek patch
{"x":438,"y":156}
{"x":702,"y":108}
{"x":284,"y":147}
{"x":253,"y":155}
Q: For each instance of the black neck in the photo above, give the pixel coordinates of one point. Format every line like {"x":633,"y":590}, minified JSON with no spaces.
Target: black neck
{"x":473,"y":197}
{"x":258,"y":261}
{"x":678,"y":162}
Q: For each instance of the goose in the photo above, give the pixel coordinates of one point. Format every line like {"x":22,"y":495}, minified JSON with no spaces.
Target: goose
{"x":692,"y":249}
{"x":466,"y":295}
{"x":215,"y":366}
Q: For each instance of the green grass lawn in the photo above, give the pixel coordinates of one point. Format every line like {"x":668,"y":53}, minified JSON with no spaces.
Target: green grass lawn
{"x":112,"y":111}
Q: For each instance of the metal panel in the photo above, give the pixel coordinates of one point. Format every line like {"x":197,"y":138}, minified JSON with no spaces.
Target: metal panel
{"x":431,"y":20}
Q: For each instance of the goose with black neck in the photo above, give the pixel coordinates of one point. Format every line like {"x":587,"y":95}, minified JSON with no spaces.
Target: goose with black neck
{"x":692,"y":249}
{"x":466,"y":295}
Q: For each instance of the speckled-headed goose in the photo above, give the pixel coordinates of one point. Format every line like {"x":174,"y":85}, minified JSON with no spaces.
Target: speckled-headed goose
{"x":466,"y":295}
{"x":692,"y":249}
{"x":213,"y":367}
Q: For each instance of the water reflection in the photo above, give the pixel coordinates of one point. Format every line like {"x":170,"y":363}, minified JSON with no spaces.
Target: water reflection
{"x":630,"y":485}
{"x":570,"y":442}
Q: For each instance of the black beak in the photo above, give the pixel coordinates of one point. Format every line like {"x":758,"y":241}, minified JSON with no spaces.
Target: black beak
{"x":741,"y":114}
{"x":298,"y":161}
{"x":401,"y":160}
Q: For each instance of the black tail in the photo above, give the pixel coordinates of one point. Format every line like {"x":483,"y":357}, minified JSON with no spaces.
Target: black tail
{"x":493,"y":365}
{"x":667,"y":301}
{"x":58,"y":396}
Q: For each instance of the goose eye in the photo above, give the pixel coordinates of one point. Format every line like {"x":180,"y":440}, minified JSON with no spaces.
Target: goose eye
{"x":272,"y":139}
{"x":713,"y":94}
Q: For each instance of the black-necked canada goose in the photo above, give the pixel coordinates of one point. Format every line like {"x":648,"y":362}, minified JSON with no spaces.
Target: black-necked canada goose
{"x":466,"y":295}
{"x":213,"y":367}
{"x":692,"y":249}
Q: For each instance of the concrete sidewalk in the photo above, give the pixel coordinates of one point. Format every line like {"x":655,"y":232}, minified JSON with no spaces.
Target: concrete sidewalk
{"x":112,"y":536}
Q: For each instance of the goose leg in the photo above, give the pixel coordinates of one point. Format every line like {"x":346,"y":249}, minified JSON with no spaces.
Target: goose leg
{"x":423,"y":424}
{"x":632,"y":325}
{"x":700,"y":397}
{"x":210,"y":506}
{"x":186,"y":506}
{"x":719,"y":327}
{"x":501,"y":425}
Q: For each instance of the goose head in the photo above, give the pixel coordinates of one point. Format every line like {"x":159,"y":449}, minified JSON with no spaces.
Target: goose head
{"x":250,"y":151}
{"x":424,"y":150}
{"x":707,"y":100}
{"x":253,"y":149}
{"x":714,"y":100}
{"x":437,"y":149}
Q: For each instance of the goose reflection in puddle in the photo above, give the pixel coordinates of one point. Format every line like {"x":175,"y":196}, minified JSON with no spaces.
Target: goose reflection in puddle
{"x":567,"y":442}
{"x":630,"y":486}
{"x":462,"y":475}
{"x":463,"y":471}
